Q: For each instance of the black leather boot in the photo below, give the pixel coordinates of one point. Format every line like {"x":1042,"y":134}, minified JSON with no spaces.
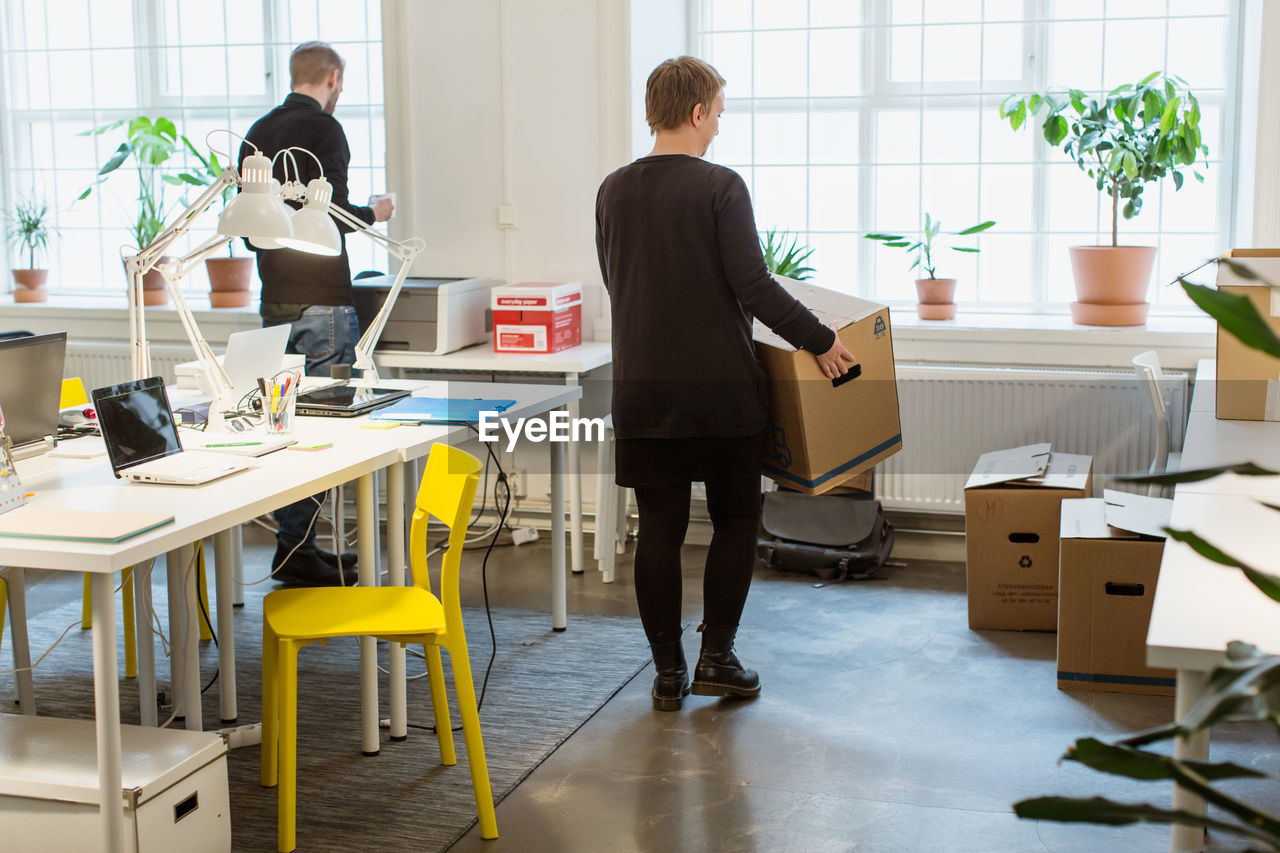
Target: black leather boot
{"x":671,"y":684}
{"x":719,"y":673}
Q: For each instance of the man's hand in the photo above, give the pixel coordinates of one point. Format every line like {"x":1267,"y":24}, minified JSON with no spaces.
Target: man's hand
{"x":382,"y":206}
{"x":833,"y":360}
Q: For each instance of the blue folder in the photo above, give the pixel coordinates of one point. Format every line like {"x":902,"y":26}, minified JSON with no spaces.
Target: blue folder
{"x":439,"y":410}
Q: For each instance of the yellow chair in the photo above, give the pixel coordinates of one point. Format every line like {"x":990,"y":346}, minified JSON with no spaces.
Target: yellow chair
{"x":293,"y":618}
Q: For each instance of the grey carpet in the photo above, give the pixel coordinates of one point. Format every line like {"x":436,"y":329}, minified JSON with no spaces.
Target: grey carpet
{"x":544,"y":685}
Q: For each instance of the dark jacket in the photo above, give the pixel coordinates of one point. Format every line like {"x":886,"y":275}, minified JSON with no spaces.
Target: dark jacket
{"x":290,"y":276}
{"x":682,"y":263}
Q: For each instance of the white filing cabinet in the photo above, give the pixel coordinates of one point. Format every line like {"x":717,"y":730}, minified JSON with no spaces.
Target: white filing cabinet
{"x":175,"y":788}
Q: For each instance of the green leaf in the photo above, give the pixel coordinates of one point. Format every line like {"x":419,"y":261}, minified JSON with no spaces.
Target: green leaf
{"x":1148,"y":766}
{"x":1177,"y":181}
{"x":186,"y":177}
{"x":1019,"y":115}
{"x":1170,"y":116}
{"x":139,"y":125}
{"x":84,"y":194}
{"x":1236,"y":314}
{"x":1195,"y":475}
{"x":1111,"y":813}
{"x":1130,"y":164}
{"x":122,"y":153}
{"x":965,"y":249}
{"x":1153,"y":75}
{"x":974,"y":229}
{"x":174,"y":180}
{"x":1268,"y":583}
{"x":897,"y":244}
{"x":1055,"y":130}
{"x":883,"y":236}
{"x":164,"y":127}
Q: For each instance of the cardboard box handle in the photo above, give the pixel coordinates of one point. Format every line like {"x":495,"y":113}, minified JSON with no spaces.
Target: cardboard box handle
{"x":854,"y":373}
{"x":1135,"y":589}
{"x":1024,"y":538}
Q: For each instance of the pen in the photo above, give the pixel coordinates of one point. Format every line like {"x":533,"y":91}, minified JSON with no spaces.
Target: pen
{"x":234,"y":444}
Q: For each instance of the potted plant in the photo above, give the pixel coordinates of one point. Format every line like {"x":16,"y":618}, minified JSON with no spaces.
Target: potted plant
{"x":1242,"y":687}
{"x":229,"y":277}
{"x":1137,"y":134}
{"x":785,"y":259}
{"x":936,"y":296}
{"x":29,"y":230}
{"x":149,"y":144}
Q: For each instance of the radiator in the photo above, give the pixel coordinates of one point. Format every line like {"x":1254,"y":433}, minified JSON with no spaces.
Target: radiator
{"x":101,"y":363}
{"x":953,"y":414}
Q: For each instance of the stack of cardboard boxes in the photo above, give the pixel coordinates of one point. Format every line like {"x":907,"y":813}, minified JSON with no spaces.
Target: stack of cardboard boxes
{"x":1042,"y":555}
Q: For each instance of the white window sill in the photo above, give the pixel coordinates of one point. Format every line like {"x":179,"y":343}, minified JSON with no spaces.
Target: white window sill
{"x":1040,"y":340}
{"x":1048,"y":340}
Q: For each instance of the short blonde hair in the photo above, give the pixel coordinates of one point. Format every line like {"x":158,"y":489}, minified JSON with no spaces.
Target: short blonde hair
{"x":311,"y":62}
{"x":677,"y":86}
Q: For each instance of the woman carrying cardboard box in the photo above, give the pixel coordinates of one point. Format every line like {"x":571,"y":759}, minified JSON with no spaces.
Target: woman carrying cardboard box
{"x":682,"y":263}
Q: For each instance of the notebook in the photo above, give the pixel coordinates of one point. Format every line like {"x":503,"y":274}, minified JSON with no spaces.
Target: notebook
{"x":142,"y":439}
{"x":346,"y":401}
{"x":31,"y":390}
{"x":34,"y":522}
{"x":440,"y":410}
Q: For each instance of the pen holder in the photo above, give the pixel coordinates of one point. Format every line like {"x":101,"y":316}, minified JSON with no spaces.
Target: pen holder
{"x":280,"y":411}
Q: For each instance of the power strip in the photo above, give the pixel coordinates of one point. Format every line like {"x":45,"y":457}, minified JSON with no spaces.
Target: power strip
{"x":521,"y":535}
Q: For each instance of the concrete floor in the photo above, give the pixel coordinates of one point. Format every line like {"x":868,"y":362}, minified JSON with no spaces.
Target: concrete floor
{"x":884,"y":724}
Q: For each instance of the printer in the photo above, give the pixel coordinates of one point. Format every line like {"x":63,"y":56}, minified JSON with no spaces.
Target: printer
{"x":431,"y":315}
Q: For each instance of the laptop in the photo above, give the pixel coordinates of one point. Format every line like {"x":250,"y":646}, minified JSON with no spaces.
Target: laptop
{"x":254,"y":353}
{"x":31,"y":390}
{"x":346,"y":401}
{"x":142,"y":439}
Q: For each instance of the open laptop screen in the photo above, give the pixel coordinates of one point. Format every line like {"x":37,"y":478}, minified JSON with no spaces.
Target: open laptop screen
{"x":136,"y":422}
{"x":31,"y":385}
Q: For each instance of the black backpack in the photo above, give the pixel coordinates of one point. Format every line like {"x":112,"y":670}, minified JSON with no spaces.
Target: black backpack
{"x":833,"y":537}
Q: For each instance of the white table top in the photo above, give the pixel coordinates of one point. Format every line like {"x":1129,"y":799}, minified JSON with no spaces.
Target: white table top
{"x":580,"y":359}
{"x":1210,"y":442}
{"x":277,"y":479}
{"x":1201,"y":606}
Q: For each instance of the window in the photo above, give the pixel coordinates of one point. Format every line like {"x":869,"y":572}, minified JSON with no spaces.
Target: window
{"x":850,"y":116}
{"x":73,"y":65}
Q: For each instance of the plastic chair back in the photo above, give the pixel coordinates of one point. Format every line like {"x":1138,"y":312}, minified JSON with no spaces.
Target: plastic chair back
{"x":1147,"y":366}
{"x":447,"y":492}
{"x":73,"y":393}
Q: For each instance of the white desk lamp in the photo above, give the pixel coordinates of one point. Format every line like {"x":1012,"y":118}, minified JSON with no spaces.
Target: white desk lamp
{"x":258,"y":214}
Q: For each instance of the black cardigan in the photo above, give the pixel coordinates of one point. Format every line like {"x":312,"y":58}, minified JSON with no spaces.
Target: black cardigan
{"x":681,"y":260}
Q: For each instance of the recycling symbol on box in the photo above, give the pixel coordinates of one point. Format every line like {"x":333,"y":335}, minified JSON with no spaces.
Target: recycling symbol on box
{"x":1025,"y":562}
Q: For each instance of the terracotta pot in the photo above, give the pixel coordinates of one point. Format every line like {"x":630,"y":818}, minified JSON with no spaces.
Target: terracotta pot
{"x":30,"y":285}
{"x":153,"y":290}
{"x":1112,"y":275}
{"x":229,"y":281}
{"x":1090,"y":314}
{"x":936,"y":297}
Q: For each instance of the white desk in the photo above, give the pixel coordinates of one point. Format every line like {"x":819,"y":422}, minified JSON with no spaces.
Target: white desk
{"x":570,"y":364}
{"x":1200,"y":606}
{"x":279,"y":478}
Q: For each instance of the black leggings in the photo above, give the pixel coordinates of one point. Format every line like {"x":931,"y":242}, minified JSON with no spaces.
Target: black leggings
{"x":733,"y":501}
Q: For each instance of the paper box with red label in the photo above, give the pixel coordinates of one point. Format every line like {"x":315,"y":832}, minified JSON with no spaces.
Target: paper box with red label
{"x":1012,"y":505}
{"x":537,"y":317}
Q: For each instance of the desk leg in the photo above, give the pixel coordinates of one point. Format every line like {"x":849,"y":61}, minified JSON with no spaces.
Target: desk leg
{"x":575,"y":484}
{"x":106,"y":712}
{"x":395,"y":577}
{"x":190,"y":640}
{"x":237,"y":566}
{"x":147,"y":713}
{"x":367,"y":531}
{"x":1188,"y":838}
{"x":223,"y":555}
{"x":558,"y":592}
{"x":21,"y":646}
{"x":177,"y":631}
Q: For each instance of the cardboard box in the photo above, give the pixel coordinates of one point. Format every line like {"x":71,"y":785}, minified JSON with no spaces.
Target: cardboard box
{"x":537,"y":317}
{"x":1106,"y":585}
{"x":1011,"y":519}
{"x":1248,"y":381}
{"x":824,"y":432}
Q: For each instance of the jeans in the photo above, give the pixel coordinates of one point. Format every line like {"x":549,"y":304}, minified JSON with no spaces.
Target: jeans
{"x":327,"y":336}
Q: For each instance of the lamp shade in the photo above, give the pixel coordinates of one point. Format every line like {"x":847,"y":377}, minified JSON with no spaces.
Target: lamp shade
{"x":256,"y":212}
{"x":314,"y":230}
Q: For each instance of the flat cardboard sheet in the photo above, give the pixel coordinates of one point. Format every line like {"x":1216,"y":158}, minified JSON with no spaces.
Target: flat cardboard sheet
{"x":1015,"y":463}
{"x":1145,"y":516}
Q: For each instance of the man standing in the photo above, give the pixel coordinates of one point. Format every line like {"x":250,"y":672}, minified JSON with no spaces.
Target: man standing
{"x":312,"y":292}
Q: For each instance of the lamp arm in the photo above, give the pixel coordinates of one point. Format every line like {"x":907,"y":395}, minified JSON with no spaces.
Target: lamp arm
{"x":173,"y":274}
{"x":150,"y":255}
{"x":369,"y":340}
{"x":399,"y":250}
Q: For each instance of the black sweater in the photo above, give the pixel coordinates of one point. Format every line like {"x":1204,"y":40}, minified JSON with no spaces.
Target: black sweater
{"x":682,"y":263}
{"x":289,"y":275}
